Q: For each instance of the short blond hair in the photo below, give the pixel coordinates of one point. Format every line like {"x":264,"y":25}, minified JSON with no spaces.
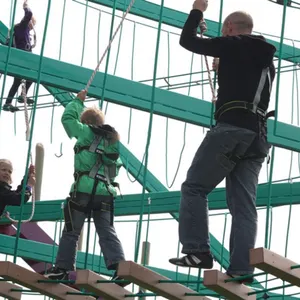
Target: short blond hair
{"x":92,"y":116}
{"x":7,"y":162}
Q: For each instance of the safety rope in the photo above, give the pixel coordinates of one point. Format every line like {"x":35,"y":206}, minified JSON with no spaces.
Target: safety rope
{"x":7,"y":214}
{"x":109,"y":45}
{"x":203,"y":28}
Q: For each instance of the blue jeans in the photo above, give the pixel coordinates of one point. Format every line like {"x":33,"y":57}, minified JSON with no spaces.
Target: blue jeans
{"x":216,"y":159}
{"x":108,"y":240}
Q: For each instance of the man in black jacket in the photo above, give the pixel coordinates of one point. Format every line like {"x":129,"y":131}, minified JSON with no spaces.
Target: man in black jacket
{"x":236,"y":147}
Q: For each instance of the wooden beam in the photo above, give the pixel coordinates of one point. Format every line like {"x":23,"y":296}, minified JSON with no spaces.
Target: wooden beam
{"x":150,"y":280}
{"x":110,"y":291}
{"x":6,"y":291}
{"x":215,"y":280}
{"x":29,"y":279}
{"x":275,"y":265}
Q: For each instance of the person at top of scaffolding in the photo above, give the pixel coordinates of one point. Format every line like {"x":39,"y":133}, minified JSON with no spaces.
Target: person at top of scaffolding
{"x":97,"y":164}
{"x":9,"y":196}
{"x":21,"y":40}
{"x":236,"y":147}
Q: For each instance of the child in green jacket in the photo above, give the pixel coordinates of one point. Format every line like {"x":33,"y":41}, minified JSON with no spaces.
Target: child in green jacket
{"x":97,"y":164}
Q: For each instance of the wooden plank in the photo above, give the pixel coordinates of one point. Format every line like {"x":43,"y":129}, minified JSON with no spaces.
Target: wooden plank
{"x":149,"y":280}
{"x":110,"y":291}
{"x":275,"y":264}
{"x":29,"y":279}
{"x":6,"y":291}
{"x":215,"y":280}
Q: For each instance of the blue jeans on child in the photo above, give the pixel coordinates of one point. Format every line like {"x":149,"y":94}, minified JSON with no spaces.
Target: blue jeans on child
{"x":215,"y":160}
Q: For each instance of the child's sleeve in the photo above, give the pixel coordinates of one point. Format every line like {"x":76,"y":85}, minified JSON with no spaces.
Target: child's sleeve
{"x":27,"y":17}
{"x":71,"y":119}
{"x":14,"y":198}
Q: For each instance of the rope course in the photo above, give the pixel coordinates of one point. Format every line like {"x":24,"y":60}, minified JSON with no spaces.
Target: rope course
{"x":154,"y":209}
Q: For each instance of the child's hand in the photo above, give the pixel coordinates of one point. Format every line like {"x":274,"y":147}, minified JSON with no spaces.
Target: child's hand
{"x":31,"y":176}
{"x":31,"y":169}
{"x":81,"y":95}
{"x":31,"y":180}
{"x":25,"y":4}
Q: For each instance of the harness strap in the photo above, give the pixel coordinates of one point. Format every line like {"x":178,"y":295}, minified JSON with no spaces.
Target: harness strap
{"x":113,"y":156}
{"x":238,"y":105}
{"x":97,"y":178}
{"x":95,"y":143}
{"x":253,"y":107}
{"x":109,"y":171}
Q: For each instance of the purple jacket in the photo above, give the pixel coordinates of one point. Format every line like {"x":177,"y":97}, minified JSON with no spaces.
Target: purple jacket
{"x":21,"y":32}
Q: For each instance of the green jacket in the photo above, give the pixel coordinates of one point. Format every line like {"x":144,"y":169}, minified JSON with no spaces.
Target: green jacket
{"x":85,"y":160}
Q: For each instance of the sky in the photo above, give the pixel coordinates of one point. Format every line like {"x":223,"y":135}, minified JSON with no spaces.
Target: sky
{"x":82,"y":48}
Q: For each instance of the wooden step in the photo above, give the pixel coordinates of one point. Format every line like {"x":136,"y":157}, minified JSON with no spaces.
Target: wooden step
{"x":275,"y":264}
{"x":149,"y":280}
{"x":6,"y":291}
{"x":110,"y":291}
{"x":29,"y":279}
{"x":215,"y":280}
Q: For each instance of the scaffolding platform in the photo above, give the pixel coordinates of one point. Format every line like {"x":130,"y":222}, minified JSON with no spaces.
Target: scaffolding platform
{"x":215,"y":280}
{"x":276,"y":265}
{"x":29,"y":279}
{"x":150,"y":280}
{"x":110,"y":291}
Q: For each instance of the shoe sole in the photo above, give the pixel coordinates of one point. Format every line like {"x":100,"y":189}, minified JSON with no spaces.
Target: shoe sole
{"x":193,"y":266}
{"x":56,"y":277}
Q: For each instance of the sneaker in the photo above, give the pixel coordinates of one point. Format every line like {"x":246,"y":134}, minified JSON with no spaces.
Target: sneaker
{"x":10,"y":107}
{"x":56,"y":273}
{"x":248,"y":280}
{"x":28,"y":100}
{"x":123,"y":282}
{"x":196,"y":260}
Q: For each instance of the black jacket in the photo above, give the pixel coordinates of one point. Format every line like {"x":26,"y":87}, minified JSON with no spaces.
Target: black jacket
{"x":10,"y":197}
{"x":242,"y":59}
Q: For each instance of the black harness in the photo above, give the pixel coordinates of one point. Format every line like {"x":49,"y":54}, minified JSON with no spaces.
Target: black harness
{"x":251,"y":106}
{"x":258,"y":148}
{"x":106,"y":135}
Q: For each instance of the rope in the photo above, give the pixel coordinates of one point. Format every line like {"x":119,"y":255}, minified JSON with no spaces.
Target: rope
{"x":7,"y":214}
{"x":203,"y":28}
{"x":109,"y":45}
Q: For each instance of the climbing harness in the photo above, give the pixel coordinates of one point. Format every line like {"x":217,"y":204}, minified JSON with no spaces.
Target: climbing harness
{"x":104,"y":170}
{"x":250,"y":106}
{"x":7,"y":214}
